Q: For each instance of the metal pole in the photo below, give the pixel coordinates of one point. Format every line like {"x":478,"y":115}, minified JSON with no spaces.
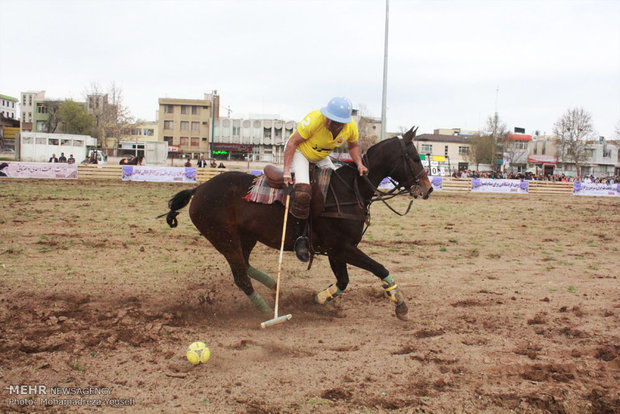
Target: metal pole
{"x":385,"y":63}
{"x":212,"y":121}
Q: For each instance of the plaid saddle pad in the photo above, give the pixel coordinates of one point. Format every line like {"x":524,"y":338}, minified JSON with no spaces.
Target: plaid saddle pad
{"x":262,"y":193}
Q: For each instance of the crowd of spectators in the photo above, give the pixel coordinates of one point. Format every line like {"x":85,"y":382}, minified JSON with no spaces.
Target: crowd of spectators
{"x":531,"y":176}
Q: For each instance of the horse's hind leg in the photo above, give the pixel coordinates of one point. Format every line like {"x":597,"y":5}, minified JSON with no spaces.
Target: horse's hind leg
{"x":254,"y":273}
{"x":342,"y":280}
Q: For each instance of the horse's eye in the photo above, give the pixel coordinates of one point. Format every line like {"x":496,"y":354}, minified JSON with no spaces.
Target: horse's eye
{"x":416,"y":158}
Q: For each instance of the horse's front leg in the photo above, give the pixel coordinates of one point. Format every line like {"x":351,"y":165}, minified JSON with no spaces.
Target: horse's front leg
{"x":354,"y":256}
{"x":342,"y":280}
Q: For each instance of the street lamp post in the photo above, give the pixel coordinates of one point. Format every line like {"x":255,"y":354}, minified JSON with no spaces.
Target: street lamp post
{"x":212,"y":121}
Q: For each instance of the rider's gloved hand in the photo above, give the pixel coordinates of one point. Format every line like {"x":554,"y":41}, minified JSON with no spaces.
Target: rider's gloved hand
{"x":362,"y":169}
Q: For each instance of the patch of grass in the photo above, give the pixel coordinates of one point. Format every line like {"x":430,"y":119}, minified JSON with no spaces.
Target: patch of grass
{"x":453,"y":241}
{"x":494,"y":256}
{"x":473,"y":253}
{"x":75,"y":365}
{"x":443,"y":249}
{"x":572,"y":289}
{"x":318,"y":401}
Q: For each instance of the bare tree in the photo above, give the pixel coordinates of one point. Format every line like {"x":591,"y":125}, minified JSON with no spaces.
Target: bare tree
{"x":481,"y":150}
{"x":484,"y":149}
{"x":617,"y":130}
{"x":112,"y":117}
{"x":573,"y":129}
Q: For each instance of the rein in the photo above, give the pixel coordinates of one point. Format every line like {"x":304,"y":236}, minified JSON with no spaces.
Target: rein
{"x":377,"y":194}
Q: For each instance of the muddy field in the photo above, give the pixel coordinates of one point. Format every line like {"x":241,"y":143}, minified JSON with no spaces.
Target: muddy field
{"x":514,"y":307}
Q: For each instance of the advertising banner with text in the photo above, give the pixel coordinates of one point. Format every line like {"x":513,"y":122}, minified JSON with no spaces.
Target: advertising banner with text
{"x":160,"y":174}
{"x":53,"y":170}
{"x":490,"y":185}
{"x":596,"y":189}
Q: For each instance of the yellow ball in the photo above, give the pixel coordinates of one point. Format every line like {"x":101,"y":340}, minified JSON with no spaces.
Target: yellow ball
{"x":198,"y":353}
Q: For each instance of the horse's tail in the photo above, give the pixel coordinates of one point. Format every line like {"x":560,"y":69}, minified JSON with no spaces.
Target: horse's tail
{"x":177,"y":202}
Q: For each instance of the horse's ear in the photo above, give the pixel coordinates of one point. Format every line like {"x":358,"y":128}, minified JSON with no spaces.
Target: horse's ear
{"x":410,"y":135}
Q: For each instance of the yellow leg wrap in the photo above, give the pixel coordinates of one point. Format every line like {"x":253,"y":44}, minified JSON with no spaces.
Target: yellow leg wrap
{"x":327,"y":295}
{"x":392,"y":291}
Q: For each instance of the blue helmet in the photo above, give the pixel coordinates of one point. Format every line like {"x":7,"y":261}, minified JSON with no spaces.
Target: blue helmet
{"x":338,"y":109}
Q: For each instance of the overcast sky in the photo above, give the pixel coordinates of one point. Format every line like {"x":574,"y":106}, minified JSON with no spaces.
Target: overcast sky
{"x":446,"y":58}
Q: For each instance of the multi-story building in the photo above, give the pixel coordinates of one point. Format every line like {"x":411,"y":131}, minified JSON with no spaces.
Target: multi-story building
{"x":447,"y":153}
{"x":44,"y":115}
{"x":260,"y":139}
{"x":601,"y":158}
{"x":139,"y":133}
{"x":8,"y":106}
{"x":28,"y":100}
{"x":186,"y":123}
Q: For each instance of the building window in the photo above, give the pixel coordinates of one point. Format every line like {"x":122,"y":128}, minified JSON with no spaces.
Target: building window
{"x":168,"y":140}
{"x":236,"y":131}
{"x":168,"y":124}
{"x":195,"y":110}
{"x":169,"y":109}
{"x":41,"y":126}
{"x":184,"y":125}
{"x":427,"y":149}
{"x":195,"y":141}
{"x":184,"y":141}
{"x":267,"y":132}
{"x":184,"y":109}
{"x":149,"y":132}
{"x":544,"y":148}
{"x":536,"y":148}
{"x":463,"y":150}
{"x":41,"y":109}
{"x":195,"y":126}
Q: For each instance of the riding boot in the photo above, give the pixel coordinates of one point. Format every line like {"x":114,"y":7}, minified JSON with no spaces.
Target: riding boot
{"x":301,"y":211}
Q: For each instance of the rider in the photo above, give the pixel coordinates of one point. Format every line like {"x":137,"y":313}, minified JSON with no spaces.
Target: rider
{"x":317,"y":135}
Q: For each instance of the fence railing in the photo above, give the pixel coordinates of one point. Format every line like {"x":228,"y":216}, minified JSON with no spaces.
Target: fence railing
{"x":459,"y":185}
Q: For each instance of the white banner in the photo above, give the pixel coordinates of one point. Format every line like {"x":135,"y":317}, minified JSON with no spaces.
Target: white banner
{"x":490,"y":185}
{"x":55,"y":170}
{"x":160,"y":174}
{"x":596,"y":189}
{"x":437,"y":183}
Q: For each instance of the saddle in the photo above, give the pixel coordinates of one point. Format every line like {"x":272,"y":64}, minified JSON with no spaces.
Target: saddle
{"x":275,"y":179}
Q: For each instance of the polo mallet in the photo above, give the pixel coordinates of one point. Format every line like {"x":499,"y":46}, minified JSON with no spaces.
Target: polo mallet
{"x":276,"y":320}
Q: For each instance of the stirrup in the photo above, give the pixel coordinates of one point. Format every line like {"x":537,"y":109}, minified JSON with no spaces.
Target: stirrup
{"x":302,"y":249}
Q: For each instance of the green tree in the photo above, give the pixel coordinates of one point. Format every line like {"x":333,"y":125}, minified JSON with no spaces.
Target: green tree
{"x":74,"y":118}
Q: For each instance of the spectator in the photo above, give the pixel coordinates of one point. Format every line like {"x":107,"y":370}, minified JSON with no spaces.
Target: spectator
{"x":71,"y":160}
{"x":87,"y":160}
{"x":62,"y":157}
{"x":213,"y":164}
{"x":221,"y":165}
{"x":202,"y":163}
{"x":188,"y":163}
{"x":53,"y":158}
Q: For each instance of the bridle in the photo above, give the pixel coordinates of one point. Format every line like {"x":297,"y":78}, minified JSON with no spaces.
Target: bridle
{"x":399,"y":188}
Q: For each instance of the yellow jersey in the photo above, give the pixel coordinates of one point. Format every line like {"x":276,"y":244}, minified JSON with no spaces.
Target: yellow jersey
{"x":319,"y":141}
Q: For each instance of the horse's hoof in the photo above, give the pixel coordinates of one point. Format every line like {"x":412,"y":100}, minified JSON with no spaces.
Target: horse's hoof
{"x":401,"y":312}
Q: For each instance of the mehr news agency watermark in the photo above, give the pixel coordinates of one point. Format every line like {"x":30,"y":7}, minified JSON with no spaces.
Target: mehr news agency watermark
{"x":42,"y":395}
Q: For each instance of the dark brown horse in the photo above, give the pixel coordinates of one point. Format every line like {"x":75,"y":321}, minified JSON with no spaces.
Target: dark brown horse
{"x":234,"y":225}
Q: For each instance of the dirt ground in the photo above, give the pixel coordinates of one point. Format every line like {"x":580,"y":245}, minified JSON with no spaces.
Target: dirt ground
{"x":514,"y":305}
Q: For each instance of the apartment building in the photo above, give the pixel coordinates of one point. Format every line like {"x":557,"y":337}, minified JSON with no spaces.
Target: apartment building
{"x":448,"y":153}
{"x":8,"y":106}
{"x":28,"y":102}
{"x":186,"y":123}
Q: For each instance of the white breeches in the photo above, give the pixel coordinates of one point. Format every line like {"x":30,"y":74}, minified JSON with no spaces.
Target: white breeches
{"x":300,"y":166}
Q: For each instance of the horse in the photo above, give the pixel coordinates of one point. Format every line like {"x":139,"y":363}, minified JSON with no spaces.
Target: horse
{"x":234,"y":226}
{"x":132,"y":161}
